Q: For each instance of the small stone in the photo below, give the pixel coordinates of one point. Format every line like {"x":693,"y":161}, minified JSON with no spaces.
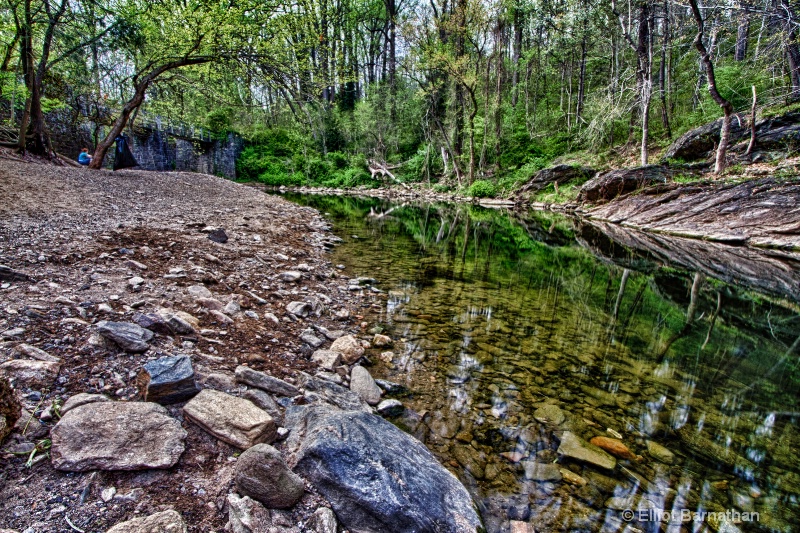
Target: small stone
{"x":108,"y":494}
{"x":381,"y":340}
{"x":212,"y":304}
{"x":323,"y":521}
{"x":391,"y":387}
{"x":246,"y":515}
{"x":615,"y":447}
{"x":153,"y":322}
{"x":513,"y":457}
{"x":164,"y":522}
{"x":541,"y":471}
{"x":221,"y":317}
{"x":11,"y":333}
{"x":135,"y":281}
{"x":104,"y":308}
{"x":361,"y":383}
{"x":327,"y":359}
{"x":263,"y":381}
{"x":549,"y":414}
{"x":218,"y":235}
{"x":169,"y":380}
{"x":299,"y":309}
{"x":251,"y":314}
{"x":660,"y":453}
{"x":128,"y":336}
{"x":220,"y":381}
{"x":572,"y":478}
{"x":262,"y":474}
{"x":290,"y":276}
{"x":264,"y":401}
{"x":179,"y":325}
{"x":574,"y":447}
{"x":272,"y":318}
{"x":350,"y":348}
{"x":234,"y":420}
{"x":130,"y":263}
{"x":517,"y":526}
{"x":198,"y":291}
{"x":232,"y":308}
{"x":312,"y":340}
{"x":9,"y":274}
{"x":390,"y":408}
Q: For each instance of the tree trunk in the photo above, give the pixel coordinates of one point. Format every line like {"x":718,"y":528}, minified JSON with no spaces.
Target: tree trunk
{"x":581,"y":79}
{"x":662,"y":73}
{"x":752,"y":144}
{"x":140,"y":88}
{"x":742,"y":32}
{"x":727,"y":108}
{"x":516,"y":53}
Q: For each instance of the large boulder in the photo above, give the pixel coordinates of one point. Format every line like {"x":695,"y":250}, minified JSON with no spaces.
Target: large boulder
{"x":30,"y":373}
{"x":376,"y":477}
{"x":608,"y":185}
{"x":234,"y":420}
{"x":116,"y":436}
{"x":262,"y":474}
{"x":698,"y":143}
{"x":559,"y":174}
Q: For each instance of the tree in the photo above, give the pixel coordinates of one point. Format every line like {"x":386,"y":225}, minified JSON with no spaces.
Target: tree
{"x":727,"y":109}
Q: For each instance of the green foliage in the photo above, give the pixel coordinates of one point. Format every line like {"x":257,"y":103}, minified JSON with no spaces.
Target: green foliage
{"x":566,"y":193}
{"x":220,"y":121}
{"x":482,"y":189}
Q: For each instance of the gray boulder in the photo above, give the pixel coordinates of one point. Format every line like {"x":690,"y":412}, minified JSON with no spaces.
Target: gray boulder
{"x":128,"y":336}
{"x":261,"y":474}
{"x":350,"y":348}
{"x":376,"y":477}
{"x":698,"y":143}
{"x":116,"y":436}
{"x":608,"y":185}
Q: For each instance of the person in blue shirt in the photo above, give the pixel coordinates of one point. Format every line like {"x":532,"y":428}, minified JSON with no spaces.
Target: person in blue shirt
{"x":85,"y":158}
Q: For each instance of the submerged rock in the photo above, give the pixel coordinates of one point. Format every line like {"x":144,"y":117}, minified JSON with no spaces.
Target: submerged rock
{"x":660,"y":453}
{"x":574,"y":447}
{"x":376,"y":477}
{"x":615,"y":447}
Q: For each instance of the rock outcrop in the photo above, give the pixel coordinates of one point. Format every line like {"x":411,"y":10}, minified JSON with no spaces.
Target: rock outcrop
{"x":560,"y":174}
{"x":376,"y":477}
{"x":608,"y":185}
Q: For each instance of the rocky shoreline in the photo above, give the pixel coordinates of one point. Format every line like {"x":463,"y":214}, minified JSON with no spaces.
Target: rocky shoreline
{"x":180,"y":349}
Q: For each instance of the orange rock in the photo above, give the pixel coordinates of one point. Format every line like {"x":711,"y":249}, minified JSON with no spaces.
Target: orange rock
{"x":513,"y":457}
{"x":615,"y":447}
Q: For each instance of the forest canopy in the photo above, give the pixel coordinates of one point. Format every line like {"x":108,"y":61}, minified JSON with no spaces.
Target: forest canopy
{"x":450,"y":91}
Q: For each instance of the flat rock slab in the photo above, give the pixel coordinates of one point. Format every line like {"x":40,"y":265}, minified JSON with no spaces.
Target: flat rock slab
{"x":82,"y":398}
{"x":234,"y":420}
{"x":163,"y":522}
{"x":376,"y":477}
{"x":574,"y":447}
{"x":263,"y":381}
{"x":129,"y":336}
{"x":30,"y":373}
{"x":168,"y":380}
{"x":116,"y":436}
{"x":327,"y":359}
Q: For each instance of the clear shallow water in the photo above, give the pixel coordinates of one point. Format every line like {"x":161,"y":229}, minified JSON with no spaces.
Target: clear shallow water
{"x":517,"y":345}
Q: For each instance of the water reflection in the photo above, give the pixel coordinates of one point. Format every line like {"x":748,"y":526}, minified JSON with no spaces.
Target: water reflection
{"x":521,"y":341}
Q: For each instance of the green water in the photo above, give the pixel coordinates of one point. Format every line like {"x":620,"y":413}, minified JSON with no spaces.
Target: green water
{"x":503,"y":323}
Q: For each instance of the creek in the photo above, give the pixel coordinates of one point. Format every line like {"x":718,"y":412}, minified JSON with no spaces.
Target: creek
{"x":520,"y":338}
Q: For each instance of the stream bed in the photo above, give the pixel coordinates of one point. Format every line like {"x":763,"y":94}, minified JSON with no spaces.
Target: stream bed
{"x":578,"y":383}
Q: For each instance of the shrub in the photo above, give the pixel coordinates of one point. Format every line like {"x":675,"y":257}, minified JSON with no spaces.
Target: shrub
{"x":482,"y":189}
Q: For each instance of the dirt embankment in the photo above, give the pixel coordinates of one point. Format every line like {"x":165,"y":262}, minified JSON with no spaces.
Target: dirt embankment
{"x":98,"y":246}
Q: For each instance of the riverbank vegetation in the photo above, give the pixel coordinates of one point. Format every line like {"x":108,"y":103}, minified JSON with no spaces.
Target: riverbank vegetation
{"x":364,"y":92}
